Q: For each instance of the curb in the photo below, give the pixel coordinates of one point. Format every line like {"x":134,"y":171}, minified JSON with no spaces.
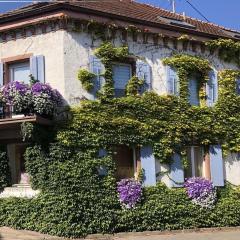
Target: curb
{"x":153,"y":233}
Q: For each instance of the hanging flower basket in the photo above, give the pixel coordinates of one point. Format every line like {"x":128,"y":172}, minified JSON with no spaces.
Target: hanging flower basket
{"x":24,"y":99}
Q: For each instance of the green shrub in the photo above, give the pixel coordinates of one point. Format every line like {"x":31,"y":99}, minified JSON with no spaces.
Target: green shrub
{"x":5,"y":176}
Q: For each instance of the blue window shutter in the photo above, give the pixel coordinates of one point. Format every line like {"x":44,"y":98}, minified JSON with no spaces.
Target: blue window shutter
{"x":102,"y":153}
{"x":37,"y":68}
{"x":212,"y":88}
{"x":1,"y":74}
{"x":176,"y":171}
{"x":216,"y":165}
{"x":193,"y":92}
{"x":148,"y":166}
{"x":238,"y":86}
{"x":172,"y":81}
{"x":41,"y":68}
{"x":143,"y":72}
{"x":121,"y":75}
{"x":102,"y":170}
{"x":97,"y":68}
{"x":33,"y":67}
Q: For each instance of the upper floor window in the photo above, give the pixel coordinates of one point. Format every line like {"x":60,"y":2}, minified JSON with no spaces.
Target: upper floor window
{"x":19,"y":71}
{"x":193,"y":87}
{"x":121,"y":75}
{"x":173,"y":86}
{"x":19,"y":68}
{"x":212,"y":88}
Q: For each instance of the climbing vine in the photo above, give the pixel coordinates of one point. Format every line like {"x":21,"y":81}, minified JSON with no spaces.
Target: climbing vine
{"x":108,"y":54}
{"x":133,"y":88}
{"x":87,"y":79}
{"x":228,"y":49}
{"x":190,"y":66}
{"x":81,"y":201}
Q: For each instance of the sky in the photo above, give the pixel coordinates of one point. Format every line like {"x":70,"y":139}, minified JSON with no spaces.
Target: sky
{"x":222,"y":12}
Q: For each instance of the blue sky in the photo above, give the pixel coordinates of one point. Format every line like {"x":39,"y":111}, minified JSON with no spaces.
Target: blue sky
{"x":222,"y":12}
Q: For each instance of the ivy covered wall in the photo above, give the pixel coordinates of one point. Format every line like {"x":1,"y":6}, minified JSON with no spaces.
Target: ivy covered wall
{"x":76,"y":200}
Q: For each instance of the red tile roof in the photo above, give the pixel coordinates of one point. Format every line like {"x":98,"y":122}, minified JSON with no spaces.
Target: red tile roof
{"x":127,"y":9}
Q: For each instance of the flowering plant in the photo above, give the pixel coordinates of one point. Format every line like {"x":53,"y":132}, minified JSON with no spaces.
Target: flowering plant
{"x":45,"y":99}
{"x":130,"y":192}
{"x":18,"y":96}
{"x":201,"y":191}
{"x":38,"y":98}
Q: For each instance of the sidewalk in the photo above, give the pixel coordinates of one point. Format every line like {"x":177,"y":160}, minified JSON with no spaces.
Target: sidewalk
{"x":203,"y":234}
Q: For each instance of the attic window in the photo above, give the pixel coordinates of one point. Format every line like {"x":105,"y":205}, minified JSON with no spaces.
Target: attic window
{"x":176,"y":22}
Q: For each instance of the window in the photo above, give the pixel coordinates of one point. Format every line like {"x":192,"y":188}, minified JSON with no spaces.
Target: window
{"x":17,"y":163}
{"x":193,"y":91}
{"x":177,"y":22}
{"x":195,"y":158}
{"x":19,"y":72}
{"x":212,"y":88}
{"x":127,"y":162}
{"x":173,"y":86}
{"x":121,"y":75}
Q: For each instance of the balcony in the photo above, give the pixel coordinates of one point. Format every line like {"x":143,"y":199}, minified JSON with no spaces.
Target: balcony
{"x":10,"y":124}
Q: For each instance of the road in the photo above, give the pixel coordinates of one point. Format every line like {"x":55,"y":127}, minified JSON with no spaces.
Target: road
{"x":225,"y":234}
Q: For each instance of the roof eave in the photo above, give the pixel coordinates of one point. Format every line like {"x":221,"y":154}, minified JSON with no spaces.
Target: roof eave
{"x":65,"y":6}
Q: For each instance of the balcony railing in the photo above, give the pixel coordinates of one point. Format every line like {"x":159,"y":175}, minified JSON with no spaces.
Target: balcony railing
{"x":6,"y":113}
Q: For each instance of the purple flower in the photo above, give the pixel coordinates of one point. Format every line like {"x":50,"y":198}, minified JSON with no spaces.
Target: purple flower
{"x":39,"y":98}
{"x":201,"y":191}
{"x":42,"y":88}
{"x":130,"y":192}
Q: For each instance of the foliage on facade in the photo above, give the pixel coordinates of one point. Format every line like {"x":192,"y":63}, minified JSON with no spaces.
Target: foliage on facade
{"x":5,"y":177}
{"x":228,"y":50}
{"x":76,"y":200}
{"x":87,"y":79}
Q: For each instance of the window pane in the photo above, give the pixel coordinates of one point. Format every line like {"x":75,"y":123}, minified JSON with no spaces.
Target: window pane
{"x":176,"y":86}
{"x":20,"y":72}
{"x":121,"y":76}
{"x":198,"y":161}
{"x":195,"y":162}
{"x":124,"y":160}
{"x":193,"y":92}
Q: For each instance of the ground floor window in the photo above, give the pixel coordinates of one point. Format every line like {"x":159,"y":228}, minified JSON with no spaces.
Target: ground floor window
{"x":17,"y":163}
{"x":195,"y":162}
{"x":127,"y":162}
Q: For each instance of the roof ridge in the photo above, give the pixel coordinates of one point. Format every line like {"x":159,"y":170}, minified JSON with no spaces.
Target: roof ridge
{"x":187,"y":17}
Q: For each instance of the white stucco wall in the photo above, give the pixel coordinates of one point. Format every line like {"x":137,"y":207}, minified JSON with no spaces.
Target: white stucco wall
{"x":50,"y":45}
{"x":78,"y":47}
{"x":66,"y":52}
